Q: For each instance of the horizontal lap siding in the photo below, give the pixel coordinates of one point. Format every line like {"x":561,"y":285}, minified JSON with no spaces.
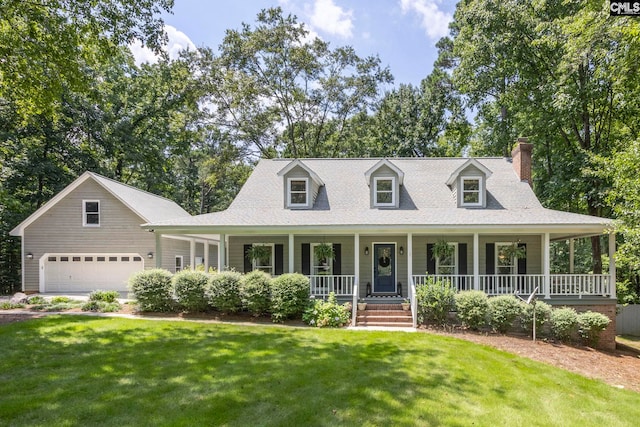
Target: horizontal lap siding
{"x":236,"y":249}
{"x":60,"y":230}
{"x":534,"y":250}
{"x":346,"y":248}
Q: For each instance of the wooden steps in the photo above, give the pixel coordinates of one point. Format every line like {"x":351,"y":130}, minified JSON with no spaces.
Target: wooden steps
{"x":390,"y":315}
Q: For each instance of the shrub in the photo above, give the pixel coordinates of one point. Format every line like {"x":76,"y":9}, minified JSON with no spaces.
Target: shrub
{"x":590,"y":326}
{"x":504,"y":310}
{"x":564,"y":323}
{"x":106,"y":296}
{"x":37,"y":299}
{"x":327,"y":313}
{"x":223,"y":291}
{"x":472,"y":308}
{"x":101,"y":306}
{"x":152,"y":290}
{"x":8,"y":305}
{"x":543,"y":313}
{"x":255,"y":291}
{"x":289,"y":296}
{"x":435,"y":300}
{"x":188,"y":290}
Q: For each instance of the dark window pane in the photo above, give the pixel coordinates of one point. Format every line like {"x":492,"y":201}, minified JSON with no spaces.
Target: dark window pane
{"x":471,"y":198}
{"x":137,"y":258}
{"x":91,"y":207}
{"x":77,"y":258}
{"x":64,"y":258}
{"x":124,"y":258}
{"x":101,"y":259}
{"x":299,"y":198}
{"x":383,"y":198}
{"x":93,"y":218}
{"x":88,"y":258}
{"x":384,"y":185}
{"x":298,"y":186}
{"x":472,"y":185}
{"x":52,"y":258}
{"x":113,"y":258}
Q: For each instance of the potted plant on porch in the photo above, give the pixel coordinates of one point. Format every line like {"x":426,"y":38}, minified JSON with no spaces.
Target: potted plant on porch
{"x":515,"y":251}
{"x":406,"y":304}
{"x":260,"y":253}
{"x":323,"y":253}
{"x":442,"y":249}
{"x":362,"y":305}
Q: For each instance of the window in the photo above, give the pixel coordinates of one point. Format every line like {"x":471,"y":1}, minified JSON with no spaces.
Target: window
{"x":76,"y":259}
{"x":88,"y":259}
{"x":91,"y":213}
{"x":447,"y":264}
{"x":505,"y":262}
{"x":113,"y":259}
{"x":124,"y":258}
{"x":384,"y":192}
{"x":322,"y":266}
{"x":100,"y":259}
{"x":298,"y":192}
{"x":265,"y":261}
{"x":471,"y":195}
{"x":64,"y":259}
{"x":178,"y":263}
{"x":137,"y":258}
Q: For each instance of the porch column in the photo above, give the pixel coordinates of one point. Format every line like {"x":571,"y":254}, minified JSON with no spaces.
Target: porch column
{"x":222,"y":249}
{"x":546,"y":266}
{"x":572,"y":249}
{"x":476,"y":261}
{"x":206,"y":256}
{"x":409,"y":262}
{"x":356,"y":260}
{"x":291,"y":250}
{"x":192,"y":254}
{"x":612,"y":264}
{"x":158,"y":254}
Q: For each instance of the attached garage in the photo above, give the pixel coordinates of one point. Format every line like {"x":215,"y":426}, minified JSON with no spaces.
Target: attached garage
{"x":63,"y":272}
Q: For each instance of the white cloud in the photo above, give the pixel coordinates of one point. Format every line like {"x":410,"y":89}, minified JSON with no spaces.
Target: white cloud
{"x":177,"y":42}
{"x":434,"y":21}
{"x":332,"y":19}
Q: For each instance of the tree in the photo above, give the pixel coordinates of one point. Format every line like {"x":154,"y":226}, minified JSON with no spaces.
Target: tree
{"x":279,"y":93}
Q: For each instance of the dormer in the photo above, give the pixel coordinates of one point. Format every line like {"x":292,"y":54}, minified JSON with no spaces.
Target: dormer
{"x":469,"y":182}
{"x":384,"y":180}
{"x":301,"y":185}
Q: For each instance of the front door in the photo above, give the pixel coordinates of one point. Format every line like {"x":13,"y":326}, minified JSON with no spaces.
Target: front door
{"x":384,"y":268}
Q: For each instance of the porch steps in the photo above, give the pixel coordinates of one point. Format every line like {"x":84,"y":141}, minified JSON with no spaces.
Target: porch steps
{"x":390,"y":315}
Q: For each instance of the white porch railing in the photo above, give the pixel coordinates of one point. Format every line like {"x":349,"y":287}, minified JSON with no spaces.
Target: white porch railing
{"x":414,"y":303}
{"x":341,"y":285}
{"x":524,"y":284}
{"x":580,"y":284}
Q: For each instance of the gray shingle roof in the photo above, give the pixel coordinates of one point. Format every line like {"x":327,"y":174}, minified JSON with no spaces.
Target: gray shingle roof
{"x":425,"y":199}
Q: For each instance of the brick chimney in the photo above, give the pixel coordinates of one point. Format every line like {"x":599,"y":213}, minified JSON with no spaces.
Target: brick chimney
{"x":521,"y":158}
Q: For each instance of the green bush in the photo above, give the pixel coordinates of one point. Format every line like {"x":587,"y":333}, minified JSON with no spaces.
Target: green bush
{"x":188,"y":290}
{"x":435,"y":300}
{"x":289,"y":296}
{"x":223,"y":291}
{"x":543,"y":314}
{"x":255,"y":291}
{"x":328,"y":313}
{"x":504,"y":310}
{"x":152,"y":290}
{"x":564,"y":323}
{"x":61,"y":306}
{"x":590,"y":326}
{"x":472,"y":308}
{"x":106,"y":296}
{"x":8,"y":305}
{"x":101,"y":306}
{"x":37,"y":299}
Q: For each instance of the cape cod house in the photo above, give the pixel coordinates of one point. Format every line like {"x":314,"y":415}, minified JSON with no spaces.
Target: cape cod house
{"x":385,"y":220}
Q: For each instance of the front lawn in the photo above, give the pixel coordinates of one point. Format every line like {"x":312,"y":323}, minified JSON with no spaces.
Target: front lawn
{"x":68,"y":370}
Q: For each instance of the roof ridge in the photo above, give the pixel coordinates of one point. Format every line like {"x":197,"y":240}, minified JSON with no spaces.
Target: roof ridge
{"x":290,"y":159}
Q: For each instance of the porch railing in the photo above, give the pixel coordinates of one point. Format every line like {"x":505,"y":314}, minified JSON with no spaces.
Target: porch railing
{"x":341,"y":285}
{"x":497,"y":284}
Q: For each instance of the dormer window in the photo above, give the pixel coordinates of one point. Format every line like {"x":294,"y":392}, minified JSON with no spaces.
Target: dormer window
{"x":298,"y":192}
{"x":471,"y":191}
{"x":384,"y":191}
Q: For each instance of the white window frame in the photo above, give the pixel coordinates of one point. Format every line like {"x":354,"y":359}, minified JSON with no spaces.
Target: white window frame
{"x":175,"y":265}
{"x":266,"y":268}
{"x":85,"y":213}
{"x":454,"y":265}
{"x":375,"y":191}
{"x":316,"y":268}
{"x":513,"y":267}
{"x":480,"y":192}
{"x":290,"y":192}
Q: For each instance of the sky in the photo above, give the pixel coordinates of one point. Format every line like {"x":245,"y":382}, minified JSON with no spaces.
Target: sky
{"x":403,"y":33}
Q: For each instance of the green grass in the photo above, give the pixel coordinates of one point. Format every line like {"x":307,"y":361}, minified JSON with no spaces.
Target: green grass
{"x":76,"y":370}
{"x":629,"y":341}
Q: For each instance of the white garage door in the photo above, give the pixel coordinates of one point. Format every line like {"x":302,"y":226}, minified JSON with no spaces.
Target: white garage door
{"x":88,"y":272}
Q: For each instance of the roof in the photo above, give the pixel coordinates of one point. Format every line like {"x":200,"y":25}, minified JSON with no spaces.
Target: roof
{"x":425,"y":199}
{"x":314,"y":176}
{"x":465,"y":165}
{"x":150,"y":207}
{"x":387,"y":163}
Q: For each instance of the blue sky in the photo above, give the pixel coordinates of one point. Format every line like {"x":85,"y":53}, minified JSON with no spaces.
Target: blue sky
{"x":403,"y":33}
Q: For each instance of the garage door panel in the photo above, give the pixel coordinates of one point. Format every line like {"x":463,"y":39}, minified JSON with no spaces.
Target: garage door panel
{"x":88,"y":272}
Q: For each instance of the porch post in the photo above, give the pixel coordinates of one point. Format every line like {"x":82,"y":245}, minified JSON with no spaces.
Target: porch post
{"x":356,"y":260}
{"x":206,"y":256}
{"x":612,"y":264}
{"x":409,"y":262}
{"x":222,"y":249}
{"x":192,"y":254}
{"x":158,"y":250}
{"x":546,"y":266}
{"x":476,"y":261}
{"x":572,"y":249}
{"x":291,"y":243}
